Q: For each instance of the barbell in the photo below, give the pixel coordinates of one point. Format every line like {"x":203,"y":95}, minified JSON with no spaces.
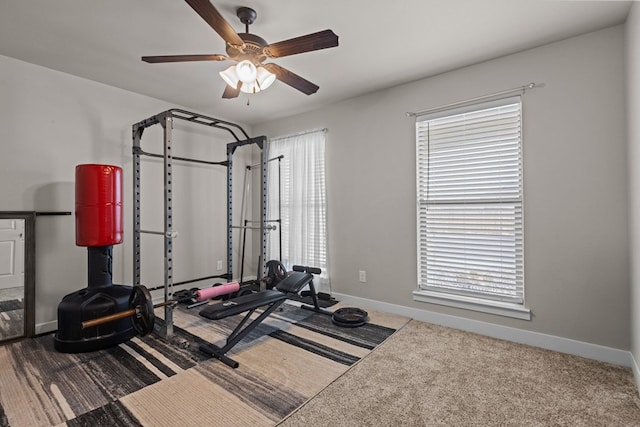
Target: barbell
{"x":140,"y":310}
{"x":141,"y":307}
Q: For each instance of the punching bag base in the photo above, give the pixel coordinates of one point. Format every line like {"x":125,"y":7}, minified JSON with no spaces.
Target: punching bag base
{"x":87,"y":304}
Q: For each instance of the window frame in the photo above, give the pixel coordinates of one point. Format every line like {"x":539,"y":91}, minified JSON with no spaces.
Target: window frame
{"x":460,"y":298}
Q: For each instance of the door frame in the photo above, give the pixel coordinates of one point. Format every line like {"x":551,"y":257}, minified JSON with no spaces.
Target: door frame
{"x":29,"y":301}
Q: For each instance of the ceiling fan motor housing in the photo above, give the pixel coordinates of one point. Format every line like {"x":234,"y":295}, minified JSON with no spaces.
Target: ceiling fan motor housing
{"x":252,"y":49}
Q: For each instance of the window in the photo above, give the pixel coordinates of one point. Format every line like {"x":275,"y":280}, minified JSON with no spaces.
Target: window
{"x":469,"y":208}
{"x":296,"y":195}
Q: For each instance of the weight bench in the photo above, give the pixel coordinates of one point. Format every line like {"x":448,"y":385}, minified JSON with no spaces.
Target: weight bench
{"x":270,"y":299}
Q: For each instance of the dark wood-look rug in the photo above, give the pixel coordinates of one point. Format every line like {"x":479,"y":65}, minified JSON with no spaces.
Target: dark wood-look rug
{"x":11,"y":319}
{"x":151,"y":381}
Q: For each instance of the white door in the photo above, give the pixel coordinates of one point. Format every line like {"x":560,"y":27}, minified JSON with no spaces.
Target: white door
{"x":11,"y":253}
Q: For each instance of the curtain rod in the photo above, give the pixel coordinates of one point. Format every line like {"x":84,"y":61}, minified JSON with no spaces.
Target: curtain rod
{"x":306,"y":132}
{"x":478,"y":98}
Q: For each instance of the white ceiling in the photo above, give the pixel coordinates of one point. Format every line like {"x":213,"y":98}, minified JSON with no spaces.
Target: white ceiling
{"x":382,"y":43}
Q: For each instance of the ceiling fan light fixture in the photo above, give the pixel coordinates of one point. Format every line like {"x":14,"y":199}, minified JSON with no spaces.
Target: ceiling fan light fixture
{"x":264,"y":78}
{"x":230,"y":76}
{"x":251,"y":87}
{"x":246,"y":71}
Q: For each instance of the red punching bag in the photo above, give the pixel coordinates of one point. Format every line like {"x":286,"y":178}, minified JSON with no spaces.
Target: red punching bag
{"x":98,"y":205}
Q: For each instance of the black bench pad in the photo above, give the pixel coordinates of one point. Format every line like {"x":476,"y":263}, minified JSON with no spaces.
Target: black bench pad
{"x":241,"y":304}
{"x":294,"y":282}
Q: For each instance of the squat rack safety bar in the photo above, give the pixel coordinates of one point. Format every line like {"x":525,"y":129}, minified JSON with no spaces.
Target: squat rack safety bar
{"x":250,"y":227}
{"x":165,"y":119}
{"x":197,"y":279}
{"x":184,"y":159}
{"x":280,"y":157}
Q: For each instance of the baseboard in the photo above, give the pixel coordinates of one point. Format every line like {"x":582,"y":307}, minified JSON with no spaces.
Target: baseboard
{"x":45,"y":328}
{"x":636,"y":371}
{"x":521,"y":336}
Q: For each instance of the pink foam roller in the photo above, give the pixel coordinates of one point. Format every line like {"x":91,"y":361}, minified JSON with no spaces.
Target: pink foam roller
{"x":216,"y":291}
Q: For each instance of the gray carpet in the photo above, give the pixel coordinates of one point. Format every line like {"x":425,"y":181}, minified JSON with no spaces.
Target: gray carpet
{"x":428,"y":375}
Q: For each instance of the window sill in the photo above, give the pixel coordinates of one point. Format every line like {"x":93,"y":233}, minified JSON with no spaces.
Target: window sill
{"x":476,"y":304}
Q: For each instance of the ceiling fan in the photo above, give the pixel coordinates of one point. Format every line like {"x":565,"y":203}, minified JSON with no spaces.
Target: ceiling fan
{"x":250,"y":74}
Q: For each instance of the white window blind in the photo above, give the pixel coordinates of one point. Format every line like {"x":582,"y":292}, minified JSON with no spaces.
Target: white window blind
{"x":469,"y":189}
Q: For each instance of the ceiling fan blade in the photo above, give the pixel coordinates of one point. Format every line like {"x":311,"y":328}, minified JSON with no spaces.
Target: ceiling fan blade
{"x":310,"y":42}
{"x":211,"y":15}
{"x":183,"y":58}
{"x":293,"y":80}
{"x":230,"y":92}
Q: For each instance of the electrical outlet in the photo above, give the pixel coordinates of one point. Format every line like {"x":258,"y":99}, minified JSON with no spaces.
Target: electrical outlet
{"x":219,"y":265}
{"x":362,"y":275}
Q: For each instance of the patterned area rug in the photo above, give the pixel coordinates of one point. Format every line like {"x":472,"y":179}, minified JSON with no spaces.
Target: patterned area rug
{"x":151,"y":381}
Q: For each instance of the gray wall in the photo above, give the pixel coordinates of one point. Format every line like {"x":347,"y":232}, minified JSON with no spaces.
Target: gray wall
{"x":52,"y":122}
{"x":576,"y":250}
{"x":575,"y":181}
{"x":633,"y":112}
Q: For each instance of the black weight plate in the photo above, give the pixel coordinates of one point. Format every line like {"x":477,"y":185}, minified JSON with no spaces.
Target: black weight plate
{"x":324,"y":296}
{"x":349,"y":315}
{"x":141,"y":301}
{"x":183,"y":295}
{"x":276,"y":272}
{"x":348,"y":324}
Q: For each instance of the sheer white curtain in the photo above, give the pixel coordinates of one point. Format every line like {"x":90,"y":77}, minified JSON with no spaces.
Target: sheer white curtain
{"x":297,"y":196}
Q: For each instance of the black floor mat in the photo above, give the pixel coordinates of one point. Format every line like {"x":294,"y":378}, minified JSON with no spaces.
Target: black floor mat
{"x":308,"y":300}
